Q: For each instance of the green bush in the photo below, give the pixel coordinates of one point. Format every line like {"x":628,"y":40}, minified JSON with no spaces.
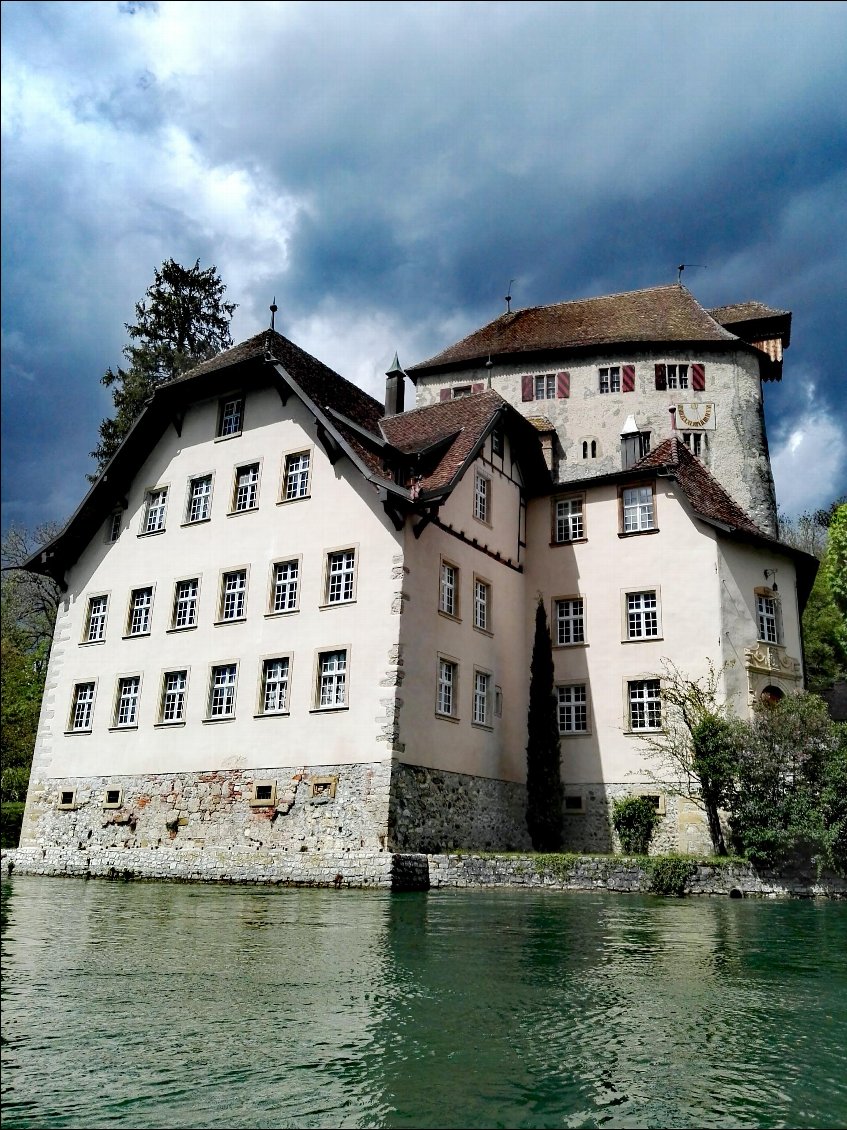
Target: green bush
{"x":670,"y":874}
{"x":11,"y":818}
{"x":634,"y":819}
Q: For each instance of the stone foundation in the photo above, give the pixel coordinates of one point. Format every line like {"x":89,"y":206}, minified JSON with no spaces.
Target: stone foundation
{"x":682,"y":827}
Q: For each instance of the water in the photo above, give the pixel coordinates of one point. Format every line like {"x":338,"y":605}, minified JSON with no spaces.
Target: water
{"x":156,"y":1005}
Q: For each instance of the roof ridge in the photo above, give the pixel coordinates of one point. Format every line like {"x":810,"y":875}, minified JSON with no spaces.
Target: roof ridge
{"x":444,"y":403}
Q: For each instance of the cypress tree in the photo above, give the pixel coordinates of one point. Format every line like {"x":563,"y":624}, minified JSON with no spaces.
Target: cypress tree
{"x":544,"y":791}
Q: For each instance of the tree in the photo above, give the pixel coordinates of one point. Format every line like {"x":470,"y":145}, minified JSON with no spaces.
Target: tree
{"x":544,"y":792}
{"x":181,"y":321}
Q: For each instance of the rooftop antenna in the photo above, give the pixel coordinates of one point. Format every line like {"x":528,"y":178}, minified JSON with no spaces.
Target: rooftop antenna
{"x":274,"y":309}
{"x":682,"y":267}
{"x":509,"y":298}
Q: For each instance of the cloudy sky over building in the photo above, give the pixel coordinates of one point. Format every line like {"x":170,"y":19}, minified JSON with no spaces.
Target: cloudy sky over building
{"x":384,"y":170}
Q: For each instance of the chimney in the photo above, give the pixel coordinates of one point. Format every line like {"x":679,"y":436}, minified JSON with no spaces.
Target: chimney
{"x":395,"y":389}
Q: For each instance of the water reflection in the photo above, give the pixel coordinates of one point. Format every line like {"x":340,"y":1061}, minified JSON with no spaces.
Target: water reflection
{"x":147,"y":1005}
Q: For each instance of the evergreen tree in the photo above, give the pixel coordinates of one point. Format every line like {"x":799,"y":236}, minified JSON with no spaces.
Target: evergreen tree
{"x":544,"y":792}
{"x":181,"y":321}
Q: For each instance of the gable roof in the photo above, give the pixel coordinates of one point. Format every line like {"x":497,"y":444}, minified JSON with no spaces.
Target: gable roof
{"x":745,"y":312}
{"x":657,"y":314}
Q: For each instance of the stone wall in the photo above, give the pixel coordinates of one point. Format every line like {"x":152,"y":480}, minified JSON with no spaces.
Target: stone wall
{"x":682,"y":826}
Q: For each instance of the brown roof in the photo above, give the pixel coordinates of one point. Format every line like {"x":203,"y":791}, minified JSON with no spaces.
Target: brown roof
{"x":745,"y":312}
{"x":659,"y":314}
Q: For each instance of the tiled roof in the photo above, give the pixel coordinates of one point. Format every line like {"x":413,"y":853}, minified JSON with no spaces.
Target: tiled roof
{"x":659,"y":314}
{"x":745,"y":312}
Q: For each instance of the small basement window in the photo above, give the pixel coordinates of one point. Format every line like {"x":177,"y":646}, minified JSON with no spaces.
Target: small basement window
{"x":657,"y":800}
{"x":67,"y":799}
{"x":264,"y":793}
{"x":574,"y":802}
{"x":112,"y":798}
{"x":323,"y":789}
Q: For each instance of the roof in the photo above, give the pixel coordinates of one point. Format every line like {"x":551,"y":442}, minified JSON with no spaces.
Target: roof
{"x":745,"y":312}
{"x":658,"y":314}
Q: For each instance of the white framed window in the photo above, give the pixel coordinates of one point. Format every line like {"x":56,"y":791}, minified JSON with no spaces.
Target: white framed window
{"x":126,"y":702}
{"x":446,"y":694}
{"x":544,"y":387}
{"x":264,"y":793}
{"x":234,"y":595}
{"x":568,"y":519}
{"x":677,"y":376}
{"x":642,"y":615}
{"x":199,"y":506}
{"x":569,"y":621}
{"x":332,"y":679}
{"x":140,"y":612}
{"x":572,"y":704}
{"x":67,"y":799}
{"x":95,"y":619}
{"x":645,"y":704}
{"x":113,"y":798}
{"x":589,"y":448}
{"x":295,"y":483}
{"x":82,"y":707}
{"x":275,"y":674}
{"x":246,"y":493}
{"x":481,"y":605}
{"x":481,"y":497}
{"x":637,"y":509}
{"x":697,"y":443}
{"x":230,"y":416}
{"x":156,"y":506}
{"x":448,"y":590}
{"x":185,"y":603}
{"x":222,"y":690}
{"x":113,"y":526}
{"x":767,"y":618}
{"x":285,"y":585}
{"x":610,"y":378}
{"x":340,"y":576}
{"x":174,"y":687}
{"x":481,"y":713}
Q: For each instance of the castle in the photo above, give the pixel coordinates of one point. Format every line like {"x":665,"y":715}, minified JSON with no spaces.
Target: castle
{"x":298,"y":620}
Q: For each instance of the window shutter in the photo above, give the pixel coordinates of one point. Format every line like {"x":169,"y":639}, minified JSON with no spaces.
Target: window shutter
{"x":628,"y":378}
{"x":698,"y":377}
{"x":526,"y":388}
{"x":478,"y":387}
{"x":563,"y":385}
{"x":661,"y":379}
{"x":445,"y":394}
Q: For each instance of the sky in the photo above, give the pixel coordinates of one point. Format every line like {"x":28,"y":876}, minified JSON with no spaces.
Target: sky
{"x":385,"y":169}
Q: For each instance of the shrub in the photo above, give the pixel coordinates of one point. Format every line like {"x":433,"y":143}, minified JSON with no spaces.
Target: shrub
{"x":11,"y":818}
{"x":634,"y":818}
{"x":670,"y":874}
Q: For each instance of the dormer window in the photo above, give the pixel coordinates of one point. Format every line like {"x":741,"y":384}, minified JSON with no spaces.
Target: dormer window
{"x":230,"y":416}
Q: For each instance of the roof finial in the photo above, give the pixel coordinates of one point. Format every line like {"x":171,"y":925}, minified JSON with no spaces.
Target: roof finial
{"x":682,"y":267}
{"x":509,"y":298}
{"x":274,"y":309}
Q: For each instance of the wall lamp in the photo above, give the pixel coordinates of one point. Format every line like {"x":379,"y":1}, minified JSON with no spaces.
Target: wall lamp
{"x":772,"y":573}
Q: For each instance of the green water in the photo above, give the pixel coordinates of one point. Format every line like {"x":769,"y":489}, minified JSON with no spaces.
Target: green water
{"x":158,"y":1005}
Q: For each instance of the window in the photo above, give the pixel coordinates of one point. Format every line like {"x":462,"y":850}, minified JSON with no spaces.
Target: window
{"x":497,"y":442}
{"x":230,"y":416}
{"x":112,"y":798}
{"x":113,"y":526}
{"x":677,"y":376}
{"x":126,"y":704}
{"x":174,"y":685}
{"x":481,"y":694}
{"x":460,"y":391}
{"x":589,"y":449}
{"x":610,"y":379}
{"x":222,"y":691}
{"x":154,"y":514}
{"x":445,"y":702}
{"x":696,"y":442}
{"x":275,"y":685}
{"x":645,"y":704}
{"x":642,"y":615}
{"x":264,"y":793}
{"x":568,"y":520}
{"x":481,"y":605}
{"x":332,"y":678}
{"x":569,"y":619}
{"x":767,"y":618}
{"x":95,"y":620}
{"x":285,"y":581}
{"x":296,"y":479}
{"x":234,"y":595}
{"x":638,"y":515}
{"x":246,"y":496}
{"x":482,"y":486}
{"x":67,"y":799}
{"x":199,"y":507}
{"x":340,"y":576}
{"x":140,"y":612}
{"x":572,"y":703}
{"x":545,"y":387}
{"x":185,"y":603}
{"x":448,"y":593}
{"x":82,"y":707}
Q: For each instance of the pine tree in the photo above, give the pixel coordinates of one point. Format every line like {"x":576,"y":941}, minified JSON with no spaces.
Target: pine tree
{"x":181,"y":321}
{"x":544,"y":791}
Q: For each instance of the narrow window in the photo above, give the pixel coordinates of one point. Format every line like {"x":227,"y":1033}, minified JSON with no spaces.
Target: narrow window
{"x":95,"y":625}
{"x":585,"y":449}
{"x":246,"y":488}
{"x":230,"y":416}
{"x":645,"y":705}
{"x":332,"y":678}
{"x":126,"y":707}
{"x":573,"y":708}
{"x":448,"y":601}
{"x":154,"y":515}
{"x":766,"y":614}
{"x":222,"y":691}
{"x":199,"y":499}
{"x":82,"y":707}
{"x":446,"y":697}
{"x":497,"y":442}
{"x":642,"y":615}
{"x":594,"y":449}
{"x":113,"y":526}
{"x":481,"y":604}
{"x":481,"y":693}
{"x":296,"y":482}
{"x":185,"y":603}
{"x":638,"y":509}
{"x":174,"y":686}
{"x":568,"y":520}
{"x":234,"y":595}
{"x":340,"y":576}
{"x":570,"y":621}
{"x":480,"y":497}
{"x":275,"y":685}
{"x":286,"y":577}
{"x":610,"y":379}
{"x":140,"y":612}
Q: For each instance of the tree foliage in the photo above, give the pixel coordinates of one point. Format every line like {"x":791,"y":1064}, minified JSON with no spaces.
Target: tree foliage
{"x":634,"y":818}
{"x":545,"y":794}
{"x":181,"y":321}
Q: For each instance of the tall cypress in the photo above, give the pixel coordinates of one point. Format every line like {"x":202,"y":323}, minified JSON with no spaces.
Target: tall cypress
{"x":544,"y":791}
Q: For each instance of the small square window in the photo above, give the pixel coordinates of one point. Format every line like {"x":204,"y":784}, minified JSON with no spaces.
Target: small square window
{"x":230,"y":416}
{"x":67,"y":799}
{"x":199,"y":506}
{"x":296,"y":477}
{"x":264,"y":794}
{"x":155,"y":508}
{"x":246,"y":492}
{"x":322,"y":789}
{"x":574,"y":803}
{"x":113,"y":798}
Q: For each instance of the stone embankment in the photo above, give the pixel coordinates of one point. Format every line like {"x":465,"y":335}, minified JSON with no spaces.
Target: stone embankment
{"x":409,"y":871}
